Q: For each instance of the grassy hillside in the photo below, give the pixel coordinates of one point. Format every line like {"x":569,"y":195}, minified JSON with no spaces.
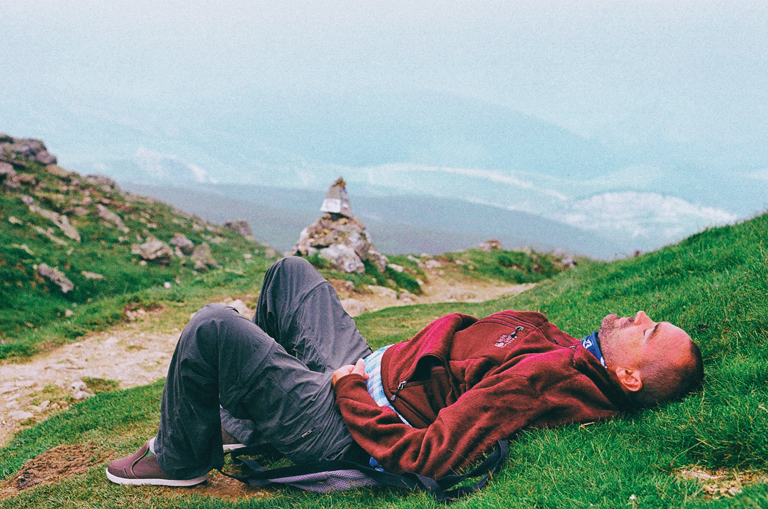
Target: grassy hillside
{"x":713,"y":284}
{"x":55,"y":218}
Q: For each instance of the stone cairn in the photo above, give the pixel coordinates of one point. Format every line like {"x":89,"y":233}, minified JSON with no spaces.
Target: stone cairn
{"x":338,"y":236}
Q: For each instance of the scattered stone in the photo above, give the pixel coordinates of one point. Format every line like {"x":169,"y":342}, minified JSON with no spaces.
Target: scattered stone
{"x":383,"y":291}
{"x":105,"y":183}
{"x":56,"y":276}
{"x":203,"y":257}
{"x":490,"y":245}
{"x":43,"y":157}
{"x":406,"y":297}
{"x":57,"y":171}
{"x":26,"y":179}
{"x":184,"y":245}
{"x":27,"y":199}
{"x":14,"y":220}
{"x":154,"y":250}
{"x":24,"y":248}
{"x":432,"y":264}
{"x":240,"y":226}
{"x":112,"y":218}
{"x":48,"y":233}
{"x":7,"y":173}
{"x":68,"y":313}
{"x":59,"y":220}
{"x":79,"y":390}
{"x":396,"y":267}
{"x":167,"y":285}
{"x":19,"y":415}
{"x":353,"y":307}
{"x":566,"y":259}
{"x":92,"y":275}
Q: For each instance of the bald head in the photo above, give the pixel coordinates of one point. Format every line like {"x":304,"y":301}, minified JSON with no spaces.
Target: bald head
{"x":654,"y":362}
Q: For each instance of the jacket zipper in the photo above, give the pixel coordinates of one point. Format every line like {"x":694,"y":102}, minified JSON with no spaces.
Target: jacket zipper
{"x":400,"y":387}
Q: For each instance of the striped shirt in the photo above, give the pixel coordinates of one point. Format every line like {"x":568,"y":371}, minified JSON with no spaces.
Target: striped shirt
{"x":375,"y":386}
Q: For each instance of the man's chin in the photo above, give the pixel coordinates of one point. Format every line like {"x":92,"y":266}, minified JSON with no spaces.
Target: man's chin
{"x":609,"y":322}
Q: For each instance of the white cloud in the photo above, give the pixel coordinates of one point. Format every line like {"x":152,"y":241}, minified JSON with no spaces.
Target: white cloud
{"x":640,"y":215}
{"x":170,"y":168}
{"x":759,"y":175}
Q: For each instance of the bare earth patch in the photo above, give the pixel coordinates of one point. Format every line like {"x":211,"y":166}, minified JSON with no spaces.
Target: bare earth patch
{"x":723,"y":482}
{"x":53,"y":466}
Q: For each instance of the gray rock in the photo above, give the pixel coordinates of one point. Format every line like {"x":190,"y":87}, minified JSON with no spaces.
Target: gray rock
{"x":343,"y":257}
{"x":490,"y":245}
{"x":203,"y":257}
{"x":19,"y":415}
{"x":331,"y":231}
{"x":59,"y":220}
{"x":185,"y":245}
{"x":43,"y":157}
{"x":353,"y":307}
{"x":56,"y":276}
{"x":240,"y":226}
{"x":6,"y":172}
{"x":112,"y":218}
{"x":105,"y":183}
{"x":154,"y":250}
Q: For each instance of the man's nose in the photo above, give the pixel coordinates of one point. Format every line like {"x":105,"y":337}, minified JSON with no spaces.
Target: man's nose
{"x":642,"y":319}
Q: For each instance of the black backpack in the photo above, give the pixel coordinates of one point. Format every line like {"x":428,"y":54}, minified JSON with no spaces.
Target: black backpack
{"x":327,"y":476}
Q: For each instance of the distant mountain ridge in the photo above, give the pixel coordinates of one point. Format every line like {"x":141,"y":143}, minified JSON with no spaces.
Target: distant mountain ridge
{"x":398,"y":224}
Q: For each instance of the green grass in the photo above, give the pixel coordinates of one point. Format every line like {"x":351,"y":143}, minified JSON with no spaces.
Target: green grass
{"x":714,"y":284}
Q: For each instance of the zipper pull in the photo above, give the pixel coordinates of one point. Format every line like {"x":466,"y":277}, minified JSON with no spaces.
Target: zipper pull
{"x":517,"y":329}
{"x":400,"y":387}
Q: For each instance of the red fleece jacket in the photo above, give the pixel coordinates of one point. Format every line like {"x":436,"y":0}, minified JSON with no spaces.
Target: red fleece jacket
{"x":464,"y":383}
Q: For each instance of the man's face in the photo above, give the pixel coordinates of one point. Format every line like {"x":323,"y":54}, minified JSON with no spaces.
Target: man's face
{"x":638,"y":339}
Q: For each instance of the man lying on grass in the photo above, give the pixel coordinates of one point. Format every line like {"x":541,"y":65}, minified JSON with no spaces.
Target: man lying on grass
{"x":301,"y":377}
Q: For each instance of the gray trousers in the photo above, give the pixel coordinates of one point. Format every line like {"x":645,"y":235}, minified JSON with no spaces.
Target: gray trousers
{"x":272,"y":375}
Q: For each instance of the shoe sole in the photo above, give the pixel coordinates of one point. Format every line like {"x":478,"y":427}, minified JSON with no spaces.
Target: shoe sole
{"x":158,"y":482}
{"x":232,"y":447}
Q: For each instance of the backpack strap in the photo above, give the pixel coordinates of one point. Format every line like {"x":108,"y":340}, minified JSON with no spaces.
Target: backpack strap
{"x":357,"y":475}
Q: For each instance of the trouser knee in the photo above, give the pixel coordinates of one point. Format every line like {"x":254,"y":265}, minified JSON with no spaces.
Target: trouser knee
{"x":206,"y":326}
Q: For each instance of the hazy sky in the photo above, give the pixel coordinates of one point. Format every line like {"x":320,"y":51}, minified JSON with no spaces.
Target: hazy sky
{"x":668,"y":80}
{"x":690,"y":69}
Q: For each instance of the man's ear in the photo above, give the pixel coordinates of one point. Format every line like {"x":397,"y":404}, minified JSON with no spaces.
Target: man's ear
{"x":630,"y":379}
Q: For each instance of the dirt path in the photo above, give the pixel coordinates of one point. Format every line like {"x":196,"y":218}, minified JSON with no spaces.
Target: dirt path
{"x":136,"y":354}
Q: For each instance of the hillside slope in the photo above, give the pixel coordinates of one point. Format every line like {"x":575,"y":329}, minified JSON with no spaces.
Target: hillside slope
{"x":70,"y":241}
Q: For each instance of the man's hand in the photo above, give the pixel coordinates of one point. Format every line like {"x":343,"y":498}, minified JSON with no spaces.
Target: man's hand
{"x":358,"y":368}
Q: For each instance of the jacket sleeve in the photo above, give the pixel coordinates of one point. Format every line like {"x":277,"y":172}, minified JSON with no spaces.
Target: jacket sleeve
{"x":494,"y":409}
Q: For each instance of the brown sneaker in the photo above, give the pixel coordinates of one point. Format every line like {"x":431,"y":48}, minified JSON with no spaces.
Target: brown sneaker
{"x":142,"y":468}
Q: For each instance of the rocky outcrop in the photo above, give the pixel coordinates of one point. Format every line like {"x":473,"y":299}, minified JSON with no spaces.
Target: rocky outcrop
{"x":112,"y":218}
{"x":203,"y":257}
{"x":240,"y":226}
{"x":154,"y":250}
{"x":338,"y":236}
{"x":343,"y":241}
{"x":59,"y":220}
{"x":183,"y":244}
{"x":20,"y":151}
